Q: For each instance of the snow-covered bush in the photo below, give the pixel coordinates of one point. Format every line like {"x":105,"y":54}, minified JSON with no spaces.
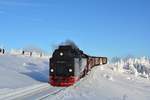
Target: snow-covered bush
{"x":118,"y":66}
{"x":137,"y":66}
{"x":16,"y":52}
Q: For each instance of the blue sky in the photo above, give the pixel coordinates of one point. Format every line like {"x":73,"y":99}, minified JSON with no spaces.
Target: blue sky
{"x":99,"y":27}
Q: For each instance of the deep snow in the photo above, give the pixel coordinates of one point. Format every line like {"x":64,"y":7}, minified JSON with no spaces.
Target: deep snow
{"x":119,"y":80}
{"x":18,"y":71}
{"x":103,"y":83}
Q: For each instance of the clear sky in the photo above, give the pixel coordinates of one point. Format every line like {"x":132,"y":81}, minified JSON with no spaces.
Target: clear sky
{"x":99,"y":27}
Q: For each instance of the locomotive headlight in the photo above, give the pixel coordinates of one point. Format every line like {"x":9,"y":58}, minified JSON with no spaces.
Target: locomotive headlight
{"x":70,"y":70}
{"x":61,"y":54}
{"x":52,"y":70}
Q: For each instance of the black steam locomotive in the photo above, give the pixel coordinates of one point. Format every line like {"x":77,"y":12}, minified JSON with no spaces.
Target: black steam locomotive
{"x":68,"y":64}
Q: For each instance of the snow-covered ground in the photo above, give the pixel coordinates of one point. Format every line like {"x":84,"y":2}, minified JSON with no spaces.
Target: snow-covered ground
{"x":20,"y":71}
{"x":103,"y":83}
{"x":118,"y":80}
{"x":22,"y":76}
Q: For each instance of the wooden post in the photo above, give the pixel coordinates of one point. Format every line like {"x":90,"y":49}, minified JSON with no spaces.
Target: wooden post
{"x":3,"y":51}
{"x":30,"y":53}
{"x":40,"y":54}
{"x":23,"y":52}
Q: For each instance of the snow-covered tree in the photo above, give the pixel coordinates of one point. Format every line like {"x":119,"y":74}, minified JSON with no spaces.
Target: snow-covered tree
{"x":137,"y":66}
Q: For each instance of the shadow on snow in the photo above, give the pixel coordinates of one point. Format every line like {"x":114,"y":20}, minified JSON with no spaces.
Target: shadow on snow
{"x":35,"y":73}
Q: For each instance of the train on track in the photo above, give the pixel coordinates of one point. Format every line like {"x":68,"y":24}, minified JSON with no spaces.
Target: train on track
{"x":68,"y":64}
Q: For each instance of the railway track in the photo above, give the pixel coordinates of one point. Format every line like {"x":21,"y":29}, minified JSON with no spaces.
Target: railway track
{"x":48,"y":96}
{"x":37,"y":92}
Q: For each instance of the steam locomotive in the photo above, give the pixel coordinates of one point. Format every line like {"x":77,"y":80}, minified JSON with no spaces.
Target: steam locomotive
{"x":68,"y":64}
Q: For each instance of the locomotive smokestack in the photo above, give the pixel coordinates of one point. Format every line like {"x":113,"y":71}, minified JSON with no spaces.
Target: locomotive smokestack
{"x":71,"y":43}
{"x":67,"y":42}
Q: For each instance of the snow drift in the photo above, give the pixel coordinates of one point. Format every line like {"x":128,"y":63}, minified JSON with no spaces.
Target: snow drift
{"x":122,"y":79}
{"x":20,"y":71}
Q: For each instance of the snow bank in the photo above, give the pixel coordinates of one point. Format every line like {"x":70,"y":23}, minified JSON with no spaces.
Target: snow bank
{"x":104,"y":84}
{"x":115,"y":81}
{"x":20,"y":71}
